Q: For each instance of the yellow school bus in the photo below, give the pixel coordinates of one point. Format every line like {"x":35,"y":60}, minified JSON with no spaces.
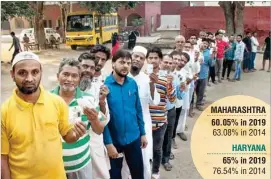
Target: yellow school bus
{"x":83,"y":28}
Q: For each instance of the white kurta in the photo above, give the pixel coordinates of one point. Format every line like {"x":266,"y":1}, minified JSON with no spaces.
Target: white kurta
{"x":189,"y":75}
{"x":143,"y":83}
{"x":99,"y":156}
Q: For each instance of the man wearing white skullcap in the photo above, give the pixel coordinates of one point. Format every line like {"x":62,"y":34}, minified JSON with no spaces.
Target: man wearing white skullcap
{"x":148,"y":95}
{"x":32,"y":120}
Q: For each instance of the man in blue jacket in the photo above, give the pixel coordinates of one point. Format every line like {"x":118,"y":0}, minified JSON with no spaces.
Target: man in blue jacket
{"x":125,"y":132}
{"x":204,"y":71}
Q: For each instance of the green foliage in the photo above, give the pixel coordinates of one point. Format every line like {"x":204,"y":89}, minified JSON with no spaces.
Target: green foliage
{"x":104,"y":7}
{"x":10,"y":9}
{"x":138,"y":22}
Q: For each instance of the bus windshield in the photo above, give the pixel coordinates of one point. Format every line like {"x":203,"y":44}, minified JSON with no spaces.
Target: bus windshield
{"x":79,"y":23}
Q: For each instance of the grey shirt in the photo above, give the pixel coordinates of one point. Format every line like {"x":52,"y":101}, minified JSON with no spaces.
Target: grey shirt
{"x":16,"y":43}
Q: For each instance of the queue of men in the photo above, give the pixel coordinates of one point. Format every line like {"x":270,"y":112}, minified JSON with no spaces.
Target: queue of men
{"x":118,"y":125}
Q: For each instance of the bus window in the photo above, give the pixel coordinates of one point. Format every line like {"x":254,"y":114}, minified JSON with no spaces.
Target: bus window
{"x":107,"y":21}
{"x":79,"y":23}
{"x":103,"y":21}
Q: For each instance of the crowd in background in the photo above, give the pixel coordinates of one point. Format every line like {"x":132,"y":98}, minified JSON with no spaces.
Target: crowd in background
{"x":115,"y":125}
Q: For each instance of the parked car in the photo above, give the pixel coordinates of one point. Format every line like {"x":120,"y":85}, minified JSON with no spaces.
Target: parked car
{"x":48,"y":32}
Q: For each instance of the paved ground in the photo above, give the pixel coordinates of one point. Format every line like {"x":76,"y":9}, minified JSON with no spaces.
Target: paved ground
{"x":255,"y":84}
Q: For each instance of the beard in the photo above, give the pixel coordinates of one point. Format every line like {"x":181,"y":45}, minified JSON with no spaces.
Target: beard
{"x":135,"y":68}
{"x":98,"y":68}
{"x":118,"y":72}
{"x":67,"y":88}
{"x":26,"y":90}
{"x":84,"y":84}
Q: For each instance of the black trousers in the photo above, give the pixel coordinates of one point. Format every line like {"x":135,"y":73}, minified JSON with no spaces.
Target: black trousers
{"x":171,"y":116}
{"x":134,"y":159}
{"x":227,"y":64}
{"x":200,"y":88}
{"x":158,"y":139}
{"x":178,"y":113}
{"x":16,"y":51}
{"x":211,"y":74}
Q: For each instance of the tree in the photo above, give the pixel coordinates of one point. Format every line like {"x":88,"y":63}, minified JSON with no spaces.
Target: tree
{"x":234,"y":15}
{"x":10,"y":9}
{"x":106,"y":7}
{"x":28,"y":9}
{"x":64,"y":9}
{"x":38,"y":7}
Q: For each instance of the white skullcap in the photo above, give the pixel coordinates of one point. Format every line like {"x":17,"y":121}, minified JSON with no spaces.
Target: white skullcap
{"x":140,"y":49}
{"x":25,"y":56}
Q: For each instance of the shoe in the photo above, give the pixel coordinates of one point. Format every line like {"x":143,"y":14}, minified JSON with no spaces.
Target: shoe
{"x":167,"y":166}
{"x":268,"y":71}
{"x":200,"y":108}
{"x":191,"y":114}
{"x":262,"y":69}
{"x":171,"y":157}
{"x":222,"y":78}
{"x":238,"y":79}
{"x":208,"y":84}
{"x":219,"y":81}
{"x":155,"y":176}
{"x":232,"y":80}
{"x":228,"y":78}
{"x":182,"y":136}
{"x":215,"y":82}
{"x":174,"y":144}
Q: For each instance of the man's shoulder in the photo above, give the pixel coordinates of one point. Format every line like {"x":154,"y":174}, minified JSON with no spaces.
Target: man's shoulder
{"x":131,"y":80}
{"x":7,"y":104}
{"x":54,"y":98}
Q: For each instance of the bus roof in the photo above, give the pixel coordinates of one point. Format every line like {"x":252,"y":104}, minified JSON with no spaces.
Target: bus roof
{"x":87,"y":12}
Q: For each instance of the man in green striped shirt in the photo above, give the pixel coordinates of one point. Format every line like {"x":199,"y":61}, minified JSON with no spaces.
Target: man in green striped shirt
{"x":82,"y":107}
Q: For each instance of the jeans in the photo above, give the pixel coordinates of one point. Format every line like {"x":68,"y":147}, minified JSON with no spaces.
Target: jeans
{"x":200,"y":88}
{"x":211,"y":74}
{"x":247,"y":60}
{"x":171,"y":116}
{"x":253,"y":57}
{"x":178,"y":112}
{"x":134,"y":159}
{"x":158,"y":139}
{"x":238,"y":69}
{"x":227,"y":64}
{"x":218,"y":67}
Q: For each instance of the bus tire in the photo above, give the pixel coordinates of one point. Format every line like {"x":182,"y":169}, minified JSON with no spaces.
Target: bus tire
{"x":74,"y":47}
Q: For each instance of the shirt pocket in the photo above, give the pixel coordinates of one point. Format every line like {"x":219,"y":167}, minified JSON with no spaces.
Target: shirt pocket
{"x":51,"y":130}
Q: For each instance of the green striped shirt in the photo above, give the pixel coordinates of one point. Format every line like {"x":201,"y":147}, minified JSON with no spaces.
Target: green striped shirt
{"x":77,"y":155}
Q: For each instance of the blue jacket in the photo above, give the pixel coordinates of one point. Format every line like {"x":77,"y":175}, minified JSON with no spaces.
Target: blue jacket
{"x":229,"y":55}
{"x":126,"y":119}
{"x":204,"y":67}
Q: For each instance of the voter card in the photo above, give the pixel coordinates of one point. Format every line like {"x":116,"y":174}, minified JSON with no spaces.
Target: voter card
{"x":83,"y":103}
{"x":149,"y":69}
{"x":120,"y":155}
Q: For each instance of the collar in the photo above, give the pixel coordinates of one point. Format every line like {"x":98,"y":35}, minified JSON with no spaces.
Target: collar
{"x":78,"y":92}
{"x":111,"y":79}
{"x":23,"y":104}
